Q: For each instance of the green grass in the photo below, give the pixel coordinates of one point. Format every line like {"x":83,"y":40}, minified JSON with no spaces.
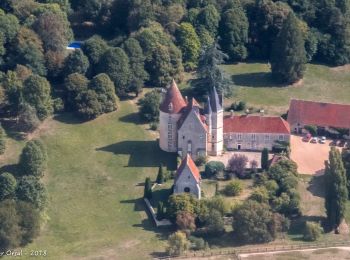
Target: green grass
{"x":95,"y":177}
{"x":256,"y":87}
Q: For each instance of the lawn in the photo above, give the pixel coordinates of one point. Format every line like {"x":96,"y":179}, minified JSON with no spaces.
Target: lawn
{"x":95,"y":177}
{"x":256,"y":87}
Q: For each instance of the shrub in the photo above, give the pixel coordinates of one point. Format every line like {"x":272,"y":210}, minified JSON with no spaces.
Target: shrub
{"x":8,"y":185}
{"x":312,"y":231}
{"x":260,"y":194}
{"x":201,"y":160}
{"x":177,"y":243}
{"x":148,"y":189}
{"x":311,"y":129}
{"x":233,"y":188}
{"x":160,"y":176}
{"x":153,"y":126}
{"x":198,"y":243}
{"x":213,"y":168}
{"x":238,"y":164}
{"x":265,"y":159}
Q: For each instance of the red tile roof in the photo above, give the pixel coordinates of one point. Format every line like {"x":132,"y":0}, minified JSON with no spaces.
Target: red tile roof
{"x":191,"y":165}
{"x":319,"y":114}
{"x":173,"y":96}
{"x":256,"y":124}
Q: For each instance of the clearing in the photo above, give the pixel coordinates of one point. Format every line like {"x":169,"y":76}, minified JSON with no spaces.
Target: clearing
{"x":256,"y":87}
{"x":95,"y":177}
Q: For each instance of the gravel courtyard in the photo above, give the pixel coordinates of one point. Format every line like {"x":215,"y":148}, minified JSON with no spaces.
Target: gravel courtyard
{"x":309,"y":157}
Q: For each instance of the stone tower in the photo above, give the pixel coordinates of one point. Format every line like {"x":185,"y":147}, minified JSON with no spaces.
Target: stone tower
{"x":217,"y":117}
{"x":170,"y":112}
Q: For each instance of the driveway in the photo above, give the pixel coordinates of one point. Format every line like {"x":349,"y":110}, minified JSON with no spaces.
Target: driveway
{"x":309,"y":157}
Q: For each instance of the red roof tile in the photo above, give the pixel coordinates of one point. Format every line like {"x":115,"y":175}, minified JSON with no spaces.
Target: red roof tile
{"x":191,"y":165}
{"x":173,"y":99}
{"x":256,"y":124}
{"x":319,"y":114}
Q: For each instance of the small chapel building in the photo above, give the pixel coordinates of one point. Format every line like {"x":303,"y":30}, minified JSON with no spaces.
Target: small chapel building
{"x":188,"y":178}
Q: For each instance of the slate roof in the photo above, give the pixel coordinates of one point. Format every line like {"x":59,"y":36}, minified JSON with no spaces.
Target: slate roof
{"x":319,"y":114}
{"x":186,"y":111}
{"x":215,"y":101}
{"x":173,"y":99}
{"x":256,"y":124}
{"x":187,"y":161}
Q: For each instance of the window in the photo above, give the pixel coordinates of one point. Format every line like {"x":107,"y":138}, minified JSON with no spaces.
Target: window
{"x":201,"y":137}
{"x":170,"y":126}
{"x":253,"y":137}
{"x":280,"y":137}
{"x":267,"y":138}
{"x":189,"y":147}
{"x":239,"y":136}
{"x":187,"y":189}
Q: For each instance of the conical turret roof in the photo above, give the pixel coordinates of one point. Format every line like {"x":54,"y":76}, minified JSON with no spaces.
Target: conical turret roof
{"x":173,"y":101}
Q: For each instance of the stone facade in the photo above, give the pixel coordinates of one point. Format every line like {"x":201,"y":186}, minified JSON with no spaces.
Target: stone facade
{"x":253,"y":141}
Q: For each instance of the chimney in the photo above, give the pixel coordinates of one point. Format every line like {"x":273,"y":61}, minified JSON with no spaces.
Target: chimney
{"x":262,"y":112}
{"x":231,"y":113}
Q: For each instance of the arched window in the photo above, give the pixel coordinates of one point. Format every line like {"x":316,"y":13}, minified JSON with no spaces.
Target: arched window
{"x":187,"y":189}
{"x":189,"y":147}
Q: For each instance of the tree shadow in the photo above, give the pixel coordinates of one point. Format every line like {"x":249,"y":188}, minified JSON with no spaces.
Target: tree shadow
{"x":316,"y":185}
{"x":69,"y":118}
{"x":14,"y":169}
{"x":255,"y":80}
{"x":132,"y":118}
{"x":13,"y":130}
{"x":142,"y":154}
{"x":138,"y":204}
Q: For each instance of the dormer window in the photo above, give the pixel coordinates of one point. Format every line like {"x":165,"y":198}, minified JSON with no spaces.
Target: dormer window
{"x":170,"y":107}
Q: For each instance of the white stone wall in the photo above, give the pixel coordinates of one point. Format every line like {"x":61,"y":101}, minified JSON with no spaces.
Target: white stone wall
{"x":192,"y":131}
{"x":168,"y":131}
{"x":251,"y":141}
{"x":186,"y":180}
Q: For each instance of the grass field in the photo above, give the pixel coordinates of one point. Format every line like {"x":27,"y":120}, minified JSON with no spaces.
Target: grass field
{"x":256,"y":87}
{"x":96,"y":172}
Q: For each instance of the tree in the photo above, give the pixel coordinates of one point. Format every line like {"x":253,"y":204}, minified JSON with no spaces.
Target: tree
{"x":27,"y":118}
{"x":88,"y":105}
{"x":237,"y":164}
{"x":115,"y":63}
{"x":233,"y":31}
{"x":214,"y":168}
{"x":137,"y":65}
{"x":189,"y":43}
{"x":148,"y":189}
{"x":76,"y":62}
{"x":312,"y":231}
{"x":36,"y":92}
{"x":10,"y":233}
{"x":215,"y":223}
{"x":160,"y":176}
{"x":94,"y":48}
{"x":210,"y":74}
{"x":2,"y":140}
{"x":233,"y":188}
{"x":149,"y":106}
{"x":33,"y":159}
{"x":185,"y":222}
{"x":54,"y":30}
{"x":181,"y":203}
{"x":177,"y":243}
{"x":8,"y":185}
{"x":209,"y":18}
{"x":346,"y":161}
{"x":105,"y":90}
{"x":75,"y":84}
{"x":288,"y":56}
{"x":31,"y":190}
{"x":265,"y":159}
{"x":336,"y":193}
{"x":252,"y":222}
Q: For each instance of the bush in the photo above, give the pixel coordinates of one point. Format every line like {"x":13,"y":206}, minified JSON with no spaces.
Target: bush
{"x":234,"y":188}
{"x":260,"y":194}
{"x":177,"y":243}
{"x":201,"y":160}
{"x":153,"y":126}
{"x":311,"y":129}
{"x":213,"y":168}
{"x":198,"y":243}
{"x":149,"y":106}
{"x":8,"y":185}
{"x":240,"y":106}
{"x":58,"y":105}
{"x":238,"y":164}
{"x":312,"y":231}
